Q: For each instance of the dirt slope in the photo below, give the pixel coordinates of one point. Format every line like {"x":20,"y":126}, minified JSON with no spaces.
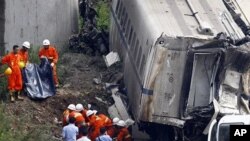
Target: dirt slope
{"x":76,"y":72}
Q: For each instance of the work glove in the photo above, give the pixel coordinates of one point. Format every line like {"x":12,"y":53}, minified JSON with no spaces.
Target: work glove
{"x":52,"y":64}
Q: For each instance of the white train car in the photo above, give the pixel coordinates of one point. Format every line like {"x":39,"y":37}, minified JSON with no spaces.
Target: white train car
{"x":171,"y":56}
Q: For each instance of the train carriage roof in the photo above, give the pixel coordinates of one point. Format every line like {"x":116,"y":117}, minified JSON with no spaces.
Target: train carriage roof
{"x":193,"y":18}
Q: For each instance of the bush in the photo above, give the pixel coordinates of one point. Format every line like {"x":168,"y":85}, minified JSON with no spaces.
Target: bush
{"x":6,"y":132}
{"x":103,"y":19}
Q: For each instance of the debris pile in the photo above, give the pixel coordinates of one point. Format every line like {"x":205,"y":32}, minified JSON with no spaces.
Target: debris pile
{"x":90,"y":40}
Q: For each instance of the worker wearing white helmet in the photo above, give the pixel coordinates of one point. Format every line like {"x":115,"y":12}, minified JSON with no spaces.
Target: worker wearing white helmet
{"x":89,"y":113}
{"x":112,"y":130}
{"x":23,"y":52}
{"x":51,"y":54}
{"x":79,"y":119}
{"x":115,"y":120}
{"x":123,"y":134}
{"x":79,"y":107}
{"x":95,"y":112}
{"x":95,"y":123}
{"x":121,"y":123}
{"x":71,"y":108}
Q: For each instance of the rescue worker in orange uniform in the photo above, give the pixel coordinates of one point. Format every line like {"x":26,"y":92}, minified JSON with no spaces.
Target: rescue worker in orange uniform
{"x":15,"y":83}
{"x":84,"y":114}
{"x":79,"y":119}
{"x":71,"y":108}
{"x":51,"y":54}
{"x":106,"y":120}
{"x":95,"y":123}
{"x":123,"y":134}
{"x":23,"y":52}
{"x":112,"y":130}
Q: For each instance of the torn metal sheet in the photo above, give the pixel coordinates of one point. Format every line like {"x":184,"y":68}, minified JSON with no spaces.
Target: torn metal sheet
{"x":169,"y":121}
{"x":232,"y":79}
{"x":228,"y":101}
{"x":122,"y":110}
{"x":111,"y":58}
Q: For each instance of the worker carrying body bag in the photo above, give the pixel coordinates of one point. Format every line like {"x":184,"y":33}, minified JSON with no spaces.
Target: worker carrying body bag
{"x":38,"y":80}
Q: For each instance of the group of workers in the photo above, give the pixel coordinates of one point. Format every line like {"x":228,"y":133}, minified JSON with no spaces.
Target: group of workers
{"x":17,"y":60}
{"x":81,"y":124}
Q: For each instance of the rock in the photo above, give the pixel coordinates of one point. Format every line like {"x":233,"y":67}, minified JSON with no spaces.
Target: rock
{"x":66,"y":86}
{"x":97,"y":81}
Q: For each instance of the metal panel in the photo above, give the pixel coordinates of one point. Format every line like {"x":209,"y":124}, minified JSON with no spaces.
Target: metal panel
{"x":199,"y":94}
{"x":167,"y":90}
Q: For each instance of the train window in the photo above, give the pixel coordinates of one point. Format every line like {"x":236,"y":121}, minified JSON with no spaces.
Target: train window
{"x":138,"y":58}
{"x":133,"y":42}
{"x":142,"y":65}
{"x":117,"y":6}
{"x":130,"y":35}
{"x":120,"y":11}
{"x":136,"y":46}
{"x":136,"y":51}
{"x":125,"y":22}
{"x":122,"y":16}
{"x":127,"y":29}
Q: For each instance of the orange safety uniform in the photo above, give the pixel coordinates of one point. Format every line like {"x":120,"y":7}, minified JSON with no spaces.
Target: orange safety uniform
{"x":124,"y":135}
{"x":106,"y":120}
{"x":79,"y":119}
{"x":84,"y":114}
{"x":24,"y":56}
{"x":95,"y":124}
{"x":66,"y":116}
{"x":112,"y":131}
{"x":15,"y":82}
{"x":52,"y":56}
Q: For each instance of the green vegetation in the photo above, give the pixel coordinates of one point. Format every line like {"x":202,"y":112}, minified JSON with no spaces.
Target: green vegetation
{"x":5,"y":130}
{"x":3,"y":85}
{"x":80,"y":22}
{"x":19,"y":129}
{"x":103,"y":19}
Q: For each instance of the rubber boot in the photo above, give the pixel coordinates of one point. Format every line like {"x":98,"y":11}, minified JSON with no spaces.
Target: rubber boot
{"x":12,"y":98}
{"x":19,"y":95}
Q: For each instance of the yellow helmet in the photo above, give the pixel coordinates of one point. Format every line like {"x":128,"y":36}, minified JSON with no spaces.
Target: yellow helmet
{"x":21,"y":64}
{"x":8,"y":71}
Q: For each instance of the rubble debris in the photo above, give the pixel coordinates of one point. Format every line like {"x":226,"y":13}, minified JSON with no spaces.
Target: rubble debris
{"x":100,"y":100}
{"x":111,"y":58}
{"x":90,"y":40}
{"x":97,"y":81}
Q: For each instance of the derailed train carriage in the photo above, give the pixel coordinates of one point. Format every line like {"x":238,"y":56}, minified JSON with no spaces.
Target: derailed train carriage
{"x":186,"y":64}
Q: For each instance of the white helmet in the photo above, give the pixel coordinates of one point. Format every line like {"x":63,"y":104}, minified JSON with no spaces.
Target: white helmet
{"x":115,"y":120}
{"x":79,"y":107}
{"x":26,"y":44}
{"x":46,"y":42}
{"x":121,"y":123}
{"x":72,"y":107}
{"x":95,"y":111}
{"x":89,"y":113}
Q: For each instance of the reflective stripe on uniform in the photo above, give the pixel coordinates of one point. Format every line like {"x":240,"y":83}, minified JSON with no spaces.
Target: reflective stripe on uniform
{"x":127,"y":136}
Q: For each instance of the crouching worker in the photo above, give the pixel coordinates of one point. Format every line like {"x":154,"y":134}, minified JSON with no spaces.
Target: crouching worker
{"x":15,"y":82}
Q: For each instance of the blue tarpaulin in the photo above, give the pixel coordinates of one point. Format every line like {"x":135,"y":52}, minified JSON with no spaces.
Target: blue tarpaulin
{"x":38,"y":80}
